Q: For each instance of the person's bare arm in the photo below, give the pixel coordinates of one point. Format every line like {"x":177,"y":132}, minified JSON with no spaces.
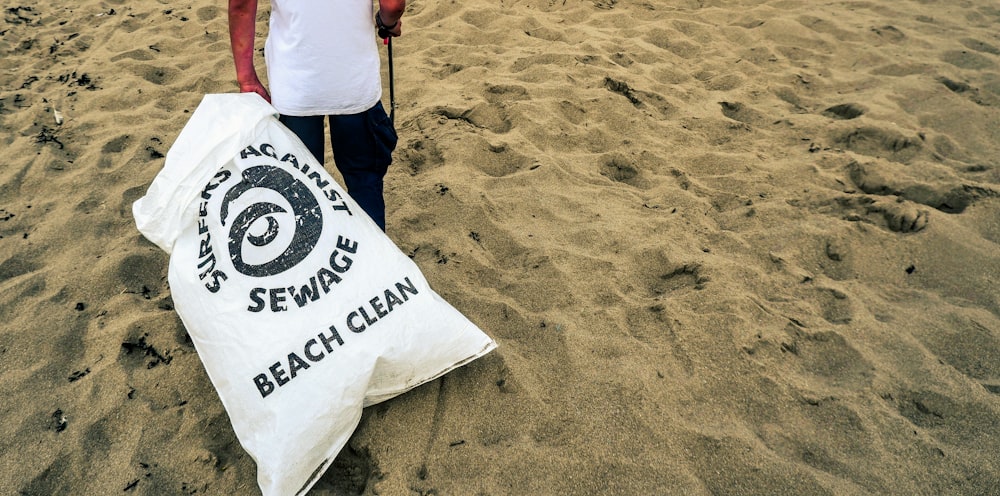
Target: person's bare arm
{"x":390,"y":11}
{"x":242,"y":29}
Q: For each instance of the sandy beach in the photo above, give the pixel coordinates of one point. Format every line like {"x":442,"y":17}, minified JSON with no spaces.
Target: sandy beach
{"x":744,"y":247}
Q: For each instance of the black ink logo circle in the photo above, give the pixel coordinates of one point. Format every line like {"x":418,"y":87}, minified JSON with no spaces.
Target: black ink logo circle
{"x":308,"y":220}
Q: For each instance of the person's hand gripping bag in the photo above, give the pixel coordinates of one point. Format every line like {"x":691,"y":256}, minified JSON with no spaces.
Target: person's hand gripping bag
{"x":301,"y":309}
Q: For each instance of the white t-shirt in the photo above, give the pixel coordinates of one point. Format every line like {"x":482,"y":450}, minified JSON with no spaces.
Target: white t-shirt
{"x":322,"y":57}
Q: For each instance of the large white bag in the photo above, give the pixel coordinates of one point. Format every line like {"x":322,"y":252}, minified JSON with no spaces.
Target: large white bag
{"x":300,"y":307}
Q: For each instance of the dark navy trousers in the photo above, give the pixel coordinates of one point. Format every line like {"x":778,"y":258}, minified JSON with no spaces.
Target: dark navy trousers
{"x":362,"y":151}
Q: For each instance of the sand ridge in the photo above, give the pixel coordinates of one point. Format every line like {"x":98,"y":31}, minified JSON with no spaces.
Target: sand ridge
{"x":726,"y":247}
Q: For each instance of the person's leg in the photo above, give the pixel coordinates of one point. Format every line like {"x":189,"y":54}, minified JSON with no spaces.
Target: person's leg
{"x":309,"y":129}
{"x":362,"y":149}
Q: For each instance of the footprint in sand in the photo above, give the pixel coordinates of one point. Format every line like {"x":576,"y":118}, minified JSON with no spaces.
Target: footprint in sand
{"x":889,"y":33}
{"x":220,"y":449}
{"x":157,"y":75}
{"x":977,"y":96}
{"x":903,"y":69}
{"x":742,"y":113}
{"x":901,"y":217}
{"x":887,"y":179}
{"x":720,"y":466}
{"x":620,"y":168}
{"x":665,"y":277}
{"x":51,"y":480}
{"x":206,"y":14}
{"x":622,"y":59}
{"x":572,"y":112}
{"x":835,"y":305}
{"x":493,"y":117}
{"x":816,"y":418}
{"x":19,"y":264}
{"x":969,"y":346}
{"x":420,"y":156}
{"x":546,"y":60}
{"x":142,"y":274}
{"x":137,"y":54}
{"x":499,"y":160}
{"x":640,"y":99}
{"x":896,"y":215}
{"x":925,"y":408}
{"x":349,"y":473}
{"x":116,"y":145}
{"x":503,"y":93}
{"x":979,"y":46}
{"x":828,"y":355}
{"x":966,"y":59}
{"x":447,"y":69}
{"x":721,"y":82}
{"x":845,"y":111}
{"x":877,"y":142}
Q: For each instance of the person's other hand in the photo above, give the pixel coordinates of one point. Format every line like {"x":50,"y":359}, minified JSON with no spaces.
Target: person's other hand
{"x":255,"y":87}
{"x":387,"y":31}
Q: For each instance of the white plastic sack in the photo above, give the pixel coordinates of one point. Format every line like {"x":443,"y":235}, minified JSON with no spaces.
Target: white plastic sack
{"x":300,"y":307}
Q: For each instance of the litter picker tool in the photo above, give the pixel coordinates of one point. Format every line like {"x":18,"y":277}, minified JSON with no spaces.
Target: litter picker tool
{"x":392,"y":90}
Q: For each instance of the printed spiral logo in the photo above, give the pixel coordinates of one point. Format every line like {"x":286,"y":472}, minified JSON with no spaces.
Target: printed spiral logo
{"x":308,"y":221}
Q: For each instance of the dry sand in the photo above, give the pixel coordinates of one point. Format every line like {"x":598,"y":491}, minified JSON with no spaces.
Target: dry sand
{"x":726,"y":247}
